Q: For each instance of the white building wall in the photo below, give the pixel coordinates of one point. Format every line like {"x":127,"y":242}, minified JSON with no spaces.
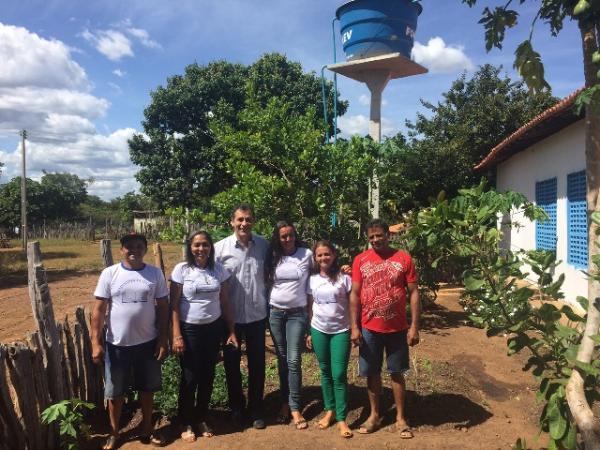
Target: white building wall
{"x":556,"y":156}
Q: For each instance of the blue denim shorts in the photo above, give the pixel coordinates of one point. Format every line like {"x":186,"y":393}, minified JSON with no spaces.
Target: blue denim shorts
{"x":137,"y":362}
{"x":371,"y":352}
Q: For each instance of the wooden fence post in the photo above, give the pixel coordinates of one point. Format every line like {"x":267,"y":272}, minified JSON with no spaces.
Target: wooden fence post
{"x":106,"y":252}
{"x":158,"y":257}
{"x":43,"y":314}
{"x":11,"y":430}
{"x":49,"y":433}
{"x":20,"y":373}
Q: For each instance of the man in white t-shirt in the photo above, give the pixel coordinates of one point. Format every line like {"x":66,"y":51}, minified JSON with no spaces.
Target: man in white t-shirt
{"x":132,"y":299}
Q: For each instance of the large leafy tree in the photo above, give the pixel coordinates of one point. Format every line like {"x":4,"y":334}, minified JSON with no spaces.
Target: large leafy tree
{"x":63,"y":194}
{"x":10,"y":202}
{"x":586,"y":13}
{"x":180,"y":164}
{"x":455,"y":134}
{"x":278,"y":162}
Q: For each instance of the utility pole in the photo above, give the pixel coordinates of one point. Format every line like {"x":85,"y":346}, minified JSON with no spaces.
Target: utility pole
{"x":23,"y":192}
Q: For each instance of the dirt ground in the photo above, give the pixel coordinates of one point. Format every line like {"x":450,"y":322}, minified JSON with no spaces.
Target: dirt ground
{"x":464,"y":392}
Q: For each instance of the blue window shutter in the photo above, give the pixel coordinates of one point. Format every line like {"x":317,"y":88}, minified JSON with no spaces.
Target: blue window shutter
{"x":577,"y":248}
{"x":545,"y":198}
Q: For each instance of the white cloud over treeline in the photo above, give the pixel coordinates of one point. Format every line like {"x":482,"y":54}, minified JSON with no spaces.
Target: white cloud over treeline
{"x":46,"y":92}
{"x":439,"y":57}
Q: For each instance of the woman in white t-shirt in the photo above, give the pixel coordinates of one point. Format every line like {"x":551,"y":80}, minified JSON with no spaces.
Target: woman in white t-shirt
{"x":200,"y":310}
{"x":328,"y":299}
{"x":288,"y":267}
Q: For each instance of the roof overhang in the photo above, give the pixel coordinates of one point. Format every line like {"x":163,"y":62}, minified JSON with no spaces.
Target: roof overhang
{"x":545,"y":124}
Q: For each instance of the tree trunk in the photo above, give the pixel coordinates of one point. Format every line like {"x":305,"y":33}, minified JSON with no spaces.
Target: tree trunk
{"x":589,"y":426}
{"x":106,"y":253}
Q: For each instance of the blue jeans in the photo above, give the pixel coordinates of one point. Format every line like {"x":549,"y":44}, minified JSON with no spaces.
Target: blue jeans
{"x":288,"y":329}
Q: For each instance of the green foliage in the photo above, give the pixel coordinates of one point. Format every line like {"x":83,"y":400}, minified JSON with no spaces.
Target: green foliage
{"x":279,"y":165}
{"x":498,"y":296}
{"x":180,"y":161}
{"x":56,"y":196}
{"x":459,"y":131}
{"x":69,"y":414}
{"x":166,"y":400}
{"x":527,"y":61}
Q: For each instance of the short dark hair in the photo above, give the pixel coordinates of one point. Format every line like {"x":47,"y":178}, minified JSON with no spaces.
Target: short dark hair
{"x":379,"y":223}
{"x":189,"y":256}
{"x":244,"y":207}
{"x":132,"y":237}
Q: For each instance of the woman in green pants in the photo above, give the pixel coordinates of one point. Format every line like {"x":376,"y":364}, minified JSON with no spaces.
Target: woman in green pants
{"x":329,"y":291}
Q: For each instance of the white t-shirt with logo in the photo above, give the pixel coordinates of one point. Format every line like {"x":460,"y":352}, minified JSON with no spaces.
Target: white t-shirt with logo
{"x":331,"y":302}
{"x":199,"y":302}
{"x":290,"y":284}
{"x":131,"y":318}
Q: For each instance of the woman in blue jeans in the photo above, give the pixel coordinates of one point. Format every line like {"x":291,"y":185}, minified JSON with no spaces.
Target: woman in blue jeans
{"x":288,"y":268}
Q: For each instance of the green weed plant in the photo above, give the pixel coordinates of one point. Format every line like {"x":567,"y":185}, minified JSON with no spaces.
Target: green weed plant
{"x":70,"y":416}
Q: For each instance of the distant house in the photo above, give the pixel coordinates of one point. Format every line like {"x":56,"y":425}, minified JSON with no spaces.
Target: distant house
{"x":545,"y":160}
{"x":146,"y":221}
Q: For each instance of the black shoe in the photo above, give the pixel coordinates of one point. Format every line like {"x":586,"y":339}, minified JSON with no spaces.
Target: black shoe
{"x":259,"y":424}
{"x":237,"y":417}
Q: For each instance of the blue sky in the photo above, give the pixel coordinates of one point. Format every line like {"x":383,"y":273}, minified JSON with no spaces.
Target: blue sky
{"x":77,"y":75}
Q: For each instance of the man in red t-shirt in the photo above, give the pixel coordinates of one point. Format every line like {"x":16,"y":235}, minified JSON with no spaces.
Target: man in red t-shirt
{"x":381,"y":279}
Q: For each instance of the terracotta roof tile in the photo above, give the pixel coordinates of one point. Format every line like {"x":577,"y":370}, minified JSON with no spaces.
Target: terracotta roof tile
{"x":502,"y":151}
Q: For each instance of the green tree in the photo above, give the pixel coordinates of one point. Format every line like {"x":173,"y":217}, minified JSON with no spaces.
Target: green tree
{"x":446,"y":143}
{"x":586,"y":13}
{"x":64,"y":193}
{"x":278,"y":162}
{"x":180,"y":165}
{"x":10,"y":203}
{"x":130,"y":202}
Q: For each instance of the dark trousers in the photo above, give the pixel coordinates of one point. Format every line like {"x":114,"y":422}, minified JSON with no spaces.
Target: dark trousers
{"x":202,"y":344}
{"x":253,"y":334}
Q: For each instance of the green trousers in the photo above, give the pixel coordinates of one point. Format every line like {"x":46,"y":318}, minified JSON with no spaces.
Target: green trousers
{"x":333,"y":353}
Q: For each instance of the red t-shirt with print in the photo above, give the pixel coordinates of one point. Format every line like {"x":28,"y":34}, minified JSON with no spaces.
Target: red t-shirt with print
{"x":383,"y":290}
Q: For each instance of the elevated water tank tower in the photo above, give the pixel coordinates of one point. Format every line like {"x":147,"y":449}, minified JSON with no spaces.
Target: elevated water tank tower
{"x":377,"y":38}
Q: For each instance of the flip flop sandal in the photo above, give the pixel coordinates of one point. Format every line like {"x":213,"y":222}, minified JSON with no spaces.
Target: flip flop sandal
{"x":369,"y":427}
{"x":346,"y":434}
{"x":188,"y":435}
{"x":205,"y":430}
{"x":154,"y":439}
{"x":406,"y":433}
{"x":111,"y":443}
{"x":403,"y":431}
{"x":301,"y":424}
{"x":323,"y":426}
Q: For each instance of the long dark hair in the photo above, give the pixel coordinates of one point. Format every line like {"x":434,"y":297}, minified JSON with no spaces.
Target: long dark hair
{"x":275,"y":251}
{"x":334,"y":270}
{"x":189,"y":256}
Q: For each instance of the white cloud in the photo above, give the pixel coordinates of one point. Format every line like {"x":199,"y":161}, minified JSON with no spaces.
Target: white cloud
{"x":441,"y":58}
{"x":116,"y":88}
{"x":43,"y":90}
{"x":111,"y":43}
{"x":359,"y":124}
{"x":120,"y":73}
{"x":103,"y":157}
{"x":29,"y":60}
{"x":143,"y":37}
{"x":114,"y":42}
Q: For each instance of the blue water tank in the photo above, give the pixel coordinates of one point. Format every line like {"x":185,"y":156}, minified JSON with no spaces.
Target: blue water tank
{"x":377,"y":27}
